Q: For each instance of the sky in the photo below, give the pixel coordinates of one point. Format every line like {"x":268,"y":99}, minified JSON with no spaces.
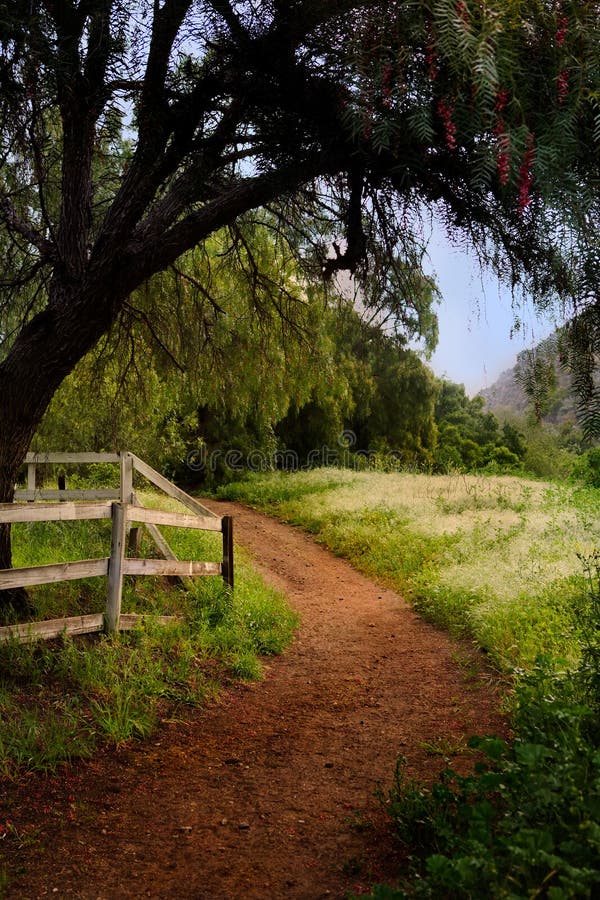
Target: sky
{"x":475,"y":320}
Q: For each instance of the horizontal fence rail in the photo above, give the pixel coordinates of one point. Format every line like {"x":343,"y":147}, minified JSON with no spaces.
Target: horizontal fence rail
{"x":124,"y":510}
{"x":51,"y":512}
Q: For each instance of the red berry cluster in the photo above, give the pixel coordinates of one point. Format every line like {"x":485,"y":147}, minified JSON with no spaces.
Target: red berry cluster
{"x":445,"y":109}
{"x":561,"y":31}
{"x":501,"y":101}
{"x":526,"y":175}
{"x":562,"y":86}
{"x":503,"y":140}
{"x":462,"y":11}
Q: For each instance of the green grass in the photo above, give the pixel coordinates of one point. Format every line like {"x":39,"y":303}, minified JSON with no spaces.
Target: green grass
{"x":67,"y":698}
{"x":496,"y":558}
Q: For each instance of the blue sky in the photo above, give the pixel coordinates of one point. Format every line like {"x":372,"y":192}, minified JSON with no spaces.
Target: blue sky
{"x":476,"y":319}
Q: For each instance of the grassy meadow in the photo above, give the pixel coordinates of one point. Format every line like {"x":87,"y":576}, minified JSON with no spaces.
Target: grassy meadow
{"x":498,"y":558}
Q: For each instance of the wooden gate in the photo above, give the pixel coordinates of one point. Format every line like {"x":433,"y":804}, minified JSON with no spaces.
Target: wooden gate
{"x":127,"y":514}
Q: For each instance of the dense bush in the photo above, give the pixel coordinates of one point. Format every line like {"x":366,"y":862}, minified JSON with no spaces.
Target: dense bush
{"x":587,"y":467}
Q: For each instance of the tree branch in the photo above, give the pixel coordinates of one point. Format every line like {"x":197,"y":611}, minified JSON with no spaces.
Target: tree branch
{"x":98,"y":52}
{"x":149,"y":254}
{"x":15,"y":223}
{"x":153,"y":113}
{"x":356,"y":243}
{"x":231,"y":19}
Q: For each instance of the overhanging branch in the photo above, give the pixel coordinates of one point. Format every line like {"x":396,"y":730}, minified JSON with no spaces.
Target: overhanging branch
{"x":17,"y":224}
{"x":148,"y":254}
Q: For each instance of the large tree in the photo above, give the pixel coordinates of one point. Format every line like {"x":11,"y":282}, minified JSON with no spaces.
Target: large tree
{"x":129,"y":132}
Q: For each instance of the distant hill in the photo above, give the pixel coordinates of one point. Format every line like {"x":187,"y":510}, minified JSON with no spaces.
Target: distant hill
{"x":507,"y":394}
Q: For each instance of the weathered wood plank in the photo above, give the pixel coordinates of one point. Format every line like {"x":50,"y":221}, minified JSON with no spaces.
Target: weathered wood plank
{"x":51,"y":628}
{"x":115,"y":566}
{"x":52,"y":512}
{"x":126,"y":478}
{"x":177,"y":520}
{"x":88,"y":494}
{"x":83,"y":458}
{"x":132,"y":620}
{"x":169,"y":567}
{"x":31,"y":470}
{"x":66,"y":571}
{"x":162,"y":544}
{"x":166,"y":550}
{"x":169,"y":488}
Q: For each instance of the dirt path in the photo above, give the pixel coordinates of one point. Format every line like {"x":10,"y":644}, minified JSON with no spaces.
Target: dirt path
{"x":269,"y":793}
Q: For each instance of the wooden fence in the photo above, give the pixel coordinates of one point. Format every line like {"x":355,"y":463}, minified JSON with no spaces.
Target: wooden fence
{"x":127,"y":514}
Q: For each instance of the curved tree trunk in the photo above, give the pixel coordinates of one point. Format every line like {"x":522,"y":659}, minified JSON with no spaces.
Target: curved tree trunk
{"x":44,"y":353}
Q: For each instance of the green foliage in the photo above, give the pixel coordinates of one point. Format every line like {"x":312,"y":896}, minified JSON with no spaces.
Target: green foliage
{"x":214,"y":378}
{"x":386,"y":405}
{"x":536,"y":373}
{"x":559,"y":376}
{"x":275,"y":488}
{"x":525,"y":823}
{"x":275,"y":389}
{"x":589,"y":621}
{"x":579,"y":344}
{"x":469,"y":438}
{"x":586,"y":467}
{"x":34,"y":737}
{"x":545,"y":457}
{"x":345,"y":121}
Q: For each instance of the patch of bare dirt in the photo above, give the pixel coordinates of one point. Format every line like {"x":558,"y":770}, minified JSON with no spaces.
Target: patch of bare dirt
{"x":271,"y":791}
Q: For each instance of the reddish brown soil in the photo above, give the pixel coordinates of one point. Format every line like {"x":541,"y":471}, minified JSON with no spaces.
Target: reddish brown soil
{"x":271,"y":791}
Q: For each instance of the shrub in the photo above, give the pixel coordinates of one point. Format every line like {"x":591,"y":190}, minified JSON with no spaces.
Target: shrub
{"x":587,"y":467}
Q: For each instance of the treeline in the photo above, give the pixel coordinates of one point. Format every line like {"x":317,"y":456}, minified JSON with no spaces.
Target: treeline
{"x":205,"y":377}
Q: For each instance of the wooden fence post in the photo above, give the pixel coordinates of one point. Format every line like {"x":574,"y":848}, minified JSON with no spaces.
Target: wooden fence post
{"x":134,"y":542}
{"x":115,"y":566}
{"x":126,"y":481}
{"x":227,"y":526}
{"x":31,"y":472}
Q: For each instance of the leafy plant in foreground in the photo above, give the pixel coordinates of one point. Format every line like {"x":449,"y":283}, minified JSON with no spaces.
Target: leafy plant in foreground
{"x":525,"y":824}
{"x":589,"y":623}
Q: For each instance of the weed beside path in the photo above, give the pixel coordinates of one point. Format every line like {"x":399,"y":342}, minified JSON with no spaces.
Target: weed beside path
{"x":270,"y":792}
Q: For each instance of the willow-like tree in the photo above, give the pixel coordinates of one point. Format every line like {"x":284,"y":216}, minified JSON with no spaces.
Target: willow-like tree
{"x":129,"y":132}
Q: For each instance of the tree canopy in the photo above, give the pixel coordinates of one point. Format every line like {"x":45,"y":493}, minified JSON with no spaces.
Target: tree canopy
{"x":129,"y":133}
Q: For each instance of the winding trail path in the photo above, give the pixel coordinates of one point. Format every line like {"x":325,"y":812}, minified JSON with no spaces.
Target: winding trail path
{"x":270,"y":792}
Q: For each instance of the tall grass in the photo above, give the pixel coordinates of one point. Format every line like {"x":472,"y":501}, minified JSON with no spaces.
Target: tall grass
{"x":65,"y":698}
{"x":492,"y":557}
